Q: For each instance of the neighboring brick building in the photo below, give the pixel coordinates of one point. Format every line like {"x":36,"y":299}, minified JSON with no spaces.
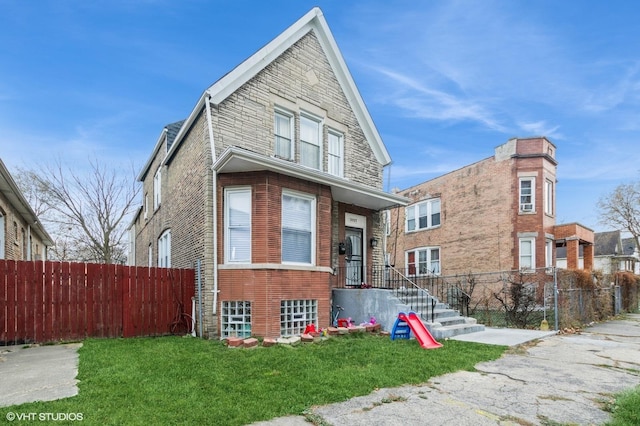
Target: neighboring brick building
{"x":494,"y":215}
{"x":275,"y":168}
{"x":22,"y":236}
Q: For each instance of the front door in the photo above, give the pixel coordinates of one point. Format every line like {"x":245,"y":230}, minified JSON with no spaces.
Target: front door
{"x":353,"y":256}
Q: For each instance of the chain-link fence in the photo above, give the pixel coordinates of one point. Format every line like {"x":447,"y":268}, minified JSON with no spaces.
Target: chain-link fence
{"x":526,"y":299}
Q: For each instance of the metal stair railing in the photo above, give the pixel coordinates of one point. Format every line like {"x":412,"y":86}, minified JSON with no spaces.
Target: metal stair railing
{"x":418,"y":303}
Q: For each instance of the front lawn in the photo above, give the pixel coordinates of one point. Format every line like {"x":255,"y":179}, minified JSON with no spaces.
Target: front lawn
{"x":182,"y":380}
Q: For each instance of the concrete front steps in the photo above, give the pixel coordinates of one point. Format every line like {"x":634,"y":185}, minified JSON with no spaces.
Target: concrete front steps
{"x":446,"y":322}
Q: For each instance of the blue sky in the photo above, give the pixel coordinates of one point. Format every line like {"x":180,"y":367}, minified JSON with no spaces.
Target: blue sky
{"x":445,"y":81}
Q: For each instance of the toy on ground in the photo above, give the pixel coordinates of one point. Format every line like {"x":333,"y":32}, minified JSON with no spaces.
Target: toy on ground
{"x":411,"y":323}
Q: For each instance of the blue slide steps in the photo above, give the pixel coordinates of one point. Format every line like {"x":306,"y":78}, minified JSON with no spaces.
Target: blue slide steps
{"x":401,"y":329}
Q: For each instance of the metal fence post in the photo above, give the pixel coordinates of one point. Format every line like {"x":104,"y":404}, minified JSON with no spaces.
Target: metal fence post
{"x":555,"y":297}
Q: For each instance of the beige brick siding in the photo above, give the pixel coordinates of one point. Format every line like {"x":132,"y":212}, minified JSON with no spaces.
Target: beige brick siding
{"x":16,"y":235}
{"x":299,"y":80}
{"x":480,"y":218}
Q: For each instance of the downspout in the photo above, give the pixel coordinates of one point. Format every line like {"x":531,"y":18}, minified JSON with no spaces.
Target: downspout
{"x":207,"y":103}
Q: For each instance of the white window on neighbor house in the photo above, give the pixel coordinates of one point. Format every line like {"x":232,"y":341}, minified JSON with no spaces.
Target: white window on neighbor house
{"x":157,"y":193}
{"x":237,"y":218}
{"x":310,"y":141}
{"x":423,"y":261}
{"x":283,"y":133}
{"x":145,"y":201}
{"x":548,"y":254}
{"x":236,"y":318}
{"x":423,"y":215}
{"x":164,"y":249}
{"x":335,"y":153}
{"x":527,"y":194}
{"x":548,"y":197}
{"x":295,"y":315}
{"x":150,"y":255}
{"x":2,"y":236}
{"x":298,"y":228}
{"x":527,"y":253}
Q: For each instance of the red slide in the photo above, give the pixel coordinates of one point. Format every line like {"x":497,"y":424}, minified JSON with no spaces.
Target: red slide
{"x":420,"y":331}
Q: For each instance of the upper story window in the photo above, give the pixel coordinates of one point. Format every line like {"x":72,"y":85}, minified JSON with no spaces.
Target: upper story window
{"x":157,"y":193}
{"x":146,"y":205}
{"x":423,"y":215}
{"x":548,"y":197}
{"x":527,"y":253}
{"x":164,"y":249}
{"x":283,"y":130}
{"x":423,"y":261}
{"x":298,"y":228}
{"x":335,"y":153}
{"x":150,"y":255}
{"x":237,"y":225}
{"x":310,"y":142}
{"x":527,"y":194}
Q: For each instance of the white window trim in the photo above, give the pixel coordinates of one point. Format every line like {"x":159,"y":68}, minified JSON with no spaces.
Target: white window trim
{"x":548,"y":197}
{"x":417,"y":260}
{"x":3,"y":236}
{"x":227,"y":238}
{"x":531,"y":240}
{"x":164,"y":249}
{"x":522,"y":207}
{"x":312,"y":199}
{"x":150,"y":255}
{"x":319,"y":121}
{"x":548,"y":253}
{"x":157,"y":189}
{"x":416,"y":212}
{"x":340,"y":153}
{"x":291,"y":116}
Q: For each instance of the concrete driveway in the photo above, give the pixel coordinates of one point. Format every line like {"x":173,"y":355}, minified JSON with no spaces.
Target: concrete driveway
{"x":562,"y":379}
{"x":37,"y":373}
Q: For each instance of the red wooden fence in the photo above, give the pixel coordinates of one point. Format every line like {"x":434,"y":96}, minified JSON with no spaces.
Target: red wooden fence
{"x":57,"y":301}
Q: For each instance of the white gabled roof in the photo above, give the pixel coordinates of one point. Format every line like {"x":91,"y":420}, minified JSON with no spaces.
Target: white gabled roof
{"x":312,"y":21}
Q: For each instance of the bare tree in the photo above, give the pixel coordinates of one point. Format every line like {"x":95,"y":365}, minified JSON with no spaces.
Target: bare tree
{"x":621,"y":209}
{"x":85,"y":214}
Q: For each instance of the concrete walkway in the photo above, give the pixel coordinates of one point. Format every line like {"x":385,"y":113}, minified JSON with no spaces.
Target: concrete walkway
{"x":562,"y":379}
{"x":37,"y":373}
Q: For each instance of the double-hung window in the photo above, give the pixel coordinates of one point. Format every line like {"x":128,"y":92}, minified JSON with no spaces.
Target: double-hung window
{"x":335,"y":153}
{"x":238,"y":225}
{"x":527,"y":194}
{"x":423,"y":215}
{"x":527,"y":253}
{"x":157,"y":192}
{"x":423,"y":261}
{"x":283,"y":129}
{"x":164,"y":249}
{"x":548,"y":197}
{"x":298,"y":228}
{"x":310,"y":141}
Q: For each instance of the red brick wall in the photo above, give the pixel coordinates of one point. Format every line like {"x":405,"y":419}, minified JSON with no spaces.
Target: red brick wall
{"x":266,"y":282}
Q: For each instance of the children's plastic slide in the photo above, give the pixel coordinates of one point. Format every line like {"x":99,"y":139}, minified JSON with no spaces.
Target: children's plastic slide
{"x":418,"y":329}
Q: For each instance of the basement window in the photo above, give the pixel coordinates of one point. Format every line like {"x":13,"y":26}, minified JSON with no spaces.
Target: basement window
{"x":296,"y":315}
{"x":236,"y":319}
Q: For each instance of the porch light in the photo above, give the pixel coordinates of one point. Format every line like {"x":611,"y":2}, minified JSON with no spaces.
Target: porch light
{"x":373,"y":242}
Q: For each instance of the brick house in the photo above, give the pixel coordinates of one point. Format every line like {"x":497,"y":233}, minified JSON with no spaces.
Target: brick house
{"x":277,"y":168}
{"x":22,"y":236}
{"x":493,"y":215}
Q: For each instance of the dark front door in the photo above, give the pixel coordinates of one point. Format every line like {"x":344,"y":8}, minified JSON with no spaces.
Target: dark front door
{"x":353,"y":256}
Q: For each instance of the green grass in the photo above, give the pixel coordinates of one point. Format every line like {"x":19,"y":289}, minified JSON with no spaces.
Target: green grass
{"x":626,"y":409}
{"x":178,"y":380}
